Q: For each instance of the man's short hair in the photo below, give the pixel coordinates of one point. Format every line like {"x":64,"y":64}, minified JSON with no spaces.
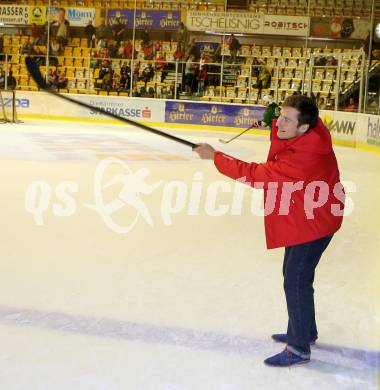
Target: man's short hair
{"x":308,"y":110}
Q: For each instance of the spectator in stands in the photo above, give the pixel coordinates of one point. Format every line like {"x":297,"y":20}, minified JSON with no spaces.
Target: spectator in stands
{"x":331,"y":61}
{"x":116,"y":82}
{"x":136,"y":92}
{"x":320,"y":61}
{"x":151,"y":92}
{"x":120,"y":51}
{"x":2,"y":47}
{"x":255,"y":69}
{"x":322,"y":104}
{"x":105,"y":68}
{"x":234,"y":47}
{"x":55,"y":47}
{"x":178,"y":54}
{"x":372,"y":106}
{"x":128,"y":50}
{"x":39,"y":55}
{"x":156,"y":47}
{"x":191,"y":49}
{"x":136,"y":72}
{"x":36,"y":34}
{"x":218,"y":54}
{"x":103,"y":54}
{"x":125,"y":69}
{"x":125,"y":73}
{"x":27,"y":47}
{"x":11,"y":81}
{"x":107,"y":82}
{"x":182,"y":38}
{"x":160,"y":62}
{"x":102,"y":44}
{"x":63,"y":26}
{"x":264,"y":78}
{"x":102,"y":31}
{"x":145,"y":38}
{"x":148,"y":52}
{"x":189,"y":74}
{"x":61,"y":79}
{"x":89,"y":32}
{"x":52,"y":79}
{"x":352,"y":105}
{"x":2,"y":79}
{"x":202,"y":74}
{"x":46,"y":31}
{"x":119,"y":31}
{"x":166,"y":92}
{"x":147,"y":73}
{"x":366,"y":45}
{"x":113,"y":49}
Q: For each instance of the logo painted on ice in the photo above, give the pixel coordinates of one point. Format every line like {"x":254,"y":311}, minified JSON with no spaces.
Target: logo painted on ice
{"x":133,"y":185}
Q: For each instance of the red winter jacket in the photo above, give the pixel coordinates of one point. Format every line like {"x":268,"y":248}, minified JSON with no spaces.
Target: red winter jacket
{"x":303,"y":197}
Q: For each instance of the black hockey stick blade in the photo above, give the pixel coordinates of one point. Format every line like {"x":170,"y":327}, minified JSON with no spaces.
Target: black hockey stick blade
{"x":34,"y":71}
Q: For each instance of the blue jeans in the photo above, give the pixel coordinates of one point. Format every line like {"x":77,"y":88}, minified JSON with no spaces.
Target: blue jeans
{"x":299,"y":266}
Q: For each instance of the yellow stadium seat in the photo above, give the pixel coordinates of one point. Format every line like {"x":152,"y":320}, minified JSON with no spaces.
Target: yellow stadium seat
{"x":78,"y":62}
{"x":85,"y":52}
{"x":68,"y":52}
{"x":24,"y":71}
{"x":70,"y":72}
{"x":77,"y":52}
{"x":68,"y":62}
{"x":15,"y":59}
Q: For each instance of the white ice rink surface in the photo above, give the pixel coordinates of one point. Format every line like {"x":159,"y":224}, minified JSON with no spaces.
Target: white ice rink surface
{"x":180,"y":301}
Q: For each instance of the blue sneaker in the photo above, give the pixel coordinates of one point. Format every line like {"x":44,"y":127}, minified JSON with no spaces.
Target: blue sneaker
{"x":283,"y":338}
{"x":286,"y":358}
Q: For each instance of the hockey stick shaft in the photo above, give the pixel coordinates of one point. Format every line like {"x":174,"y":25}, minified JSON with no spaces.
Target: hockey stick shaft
{"x":238,"y":135}
{"x":38,"y":78}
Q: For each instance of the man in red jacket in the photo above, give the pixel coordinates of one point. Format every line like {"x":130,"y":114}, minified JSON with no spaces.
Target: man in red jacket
{"x":303,"y":208}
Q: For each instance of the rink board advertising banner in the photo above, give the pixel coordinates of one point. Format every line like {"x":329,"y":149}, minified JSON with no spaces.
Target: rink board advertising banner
{"x":77,"y":17}
{"x":351,"y":128}
{"x":230,"y":22}
{"x":146,"y":19}
{"x":14,"y":14}
{"x":339,"y":27}
{"x":37,"y":14}
{"x":373,"y":130}
{"x":286,"y":25}
{"x":145,"y":110}
{"x":212,"y":114}
{"x":341,"y":125}
{"x":248,"y":23}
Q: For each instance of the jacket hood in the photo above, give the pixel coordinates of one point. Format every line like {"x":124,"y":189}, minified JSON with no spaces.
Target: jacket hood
{"x":316,"y":140}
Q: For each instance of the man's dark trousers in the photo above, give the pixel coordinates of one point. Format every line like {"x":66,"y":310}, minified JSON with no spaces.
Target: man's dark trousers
{"x":299,"y":266}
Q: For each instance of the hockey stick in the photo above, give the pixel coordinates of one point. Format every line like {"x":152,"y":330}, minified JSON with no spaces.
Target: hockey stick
{"x":38,"y":78}
{"x":238,"y":135}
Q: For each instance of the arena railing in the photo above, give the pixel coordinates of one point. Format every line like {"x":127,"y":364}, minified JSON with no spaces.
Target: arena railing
{"x":332,"y":84}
